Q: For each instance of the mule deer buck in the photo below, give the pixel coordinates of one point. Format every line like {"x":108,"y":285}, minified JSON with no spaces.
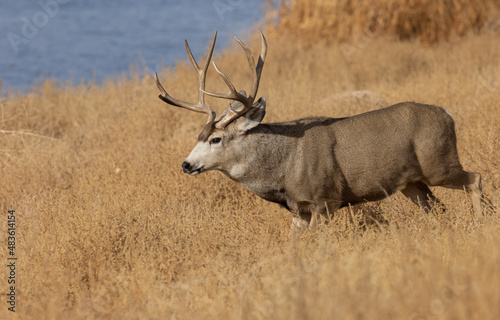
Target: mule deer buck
{"x":314,"y":166}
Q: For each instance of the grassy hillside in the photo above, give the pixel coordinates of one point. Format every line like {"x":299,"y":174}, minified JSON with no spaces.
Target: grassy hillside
{"x":108,"y":227}
{"x":429,"y":21}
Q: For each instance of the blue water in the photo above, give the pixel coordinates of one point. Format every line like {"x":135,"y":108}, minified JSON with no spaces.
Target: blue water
{"x":92,"y":40}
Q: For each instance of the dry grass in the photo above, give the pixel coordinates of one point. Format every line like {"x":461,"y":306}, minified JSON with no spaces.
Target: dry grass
{"x":430,"y":21}
{"x":109,"y":227}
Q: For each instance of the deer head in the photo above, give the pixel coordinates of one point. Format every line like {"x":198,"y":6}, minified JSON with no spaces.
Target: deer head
{"x":222,"y":136}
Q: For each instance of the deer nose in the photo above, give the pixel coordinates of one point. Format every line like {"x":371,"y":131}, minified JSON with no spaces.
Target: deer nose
{"x":186,"y":166}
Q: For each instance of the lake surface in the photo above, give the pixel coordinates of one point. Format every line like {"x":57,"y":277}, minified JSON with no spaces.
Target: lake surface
{"x":96,"y":39}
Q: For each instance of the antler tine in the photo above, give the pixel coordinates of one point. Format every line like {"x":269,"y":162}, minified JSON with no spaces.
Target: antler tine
{"x":233,"y":93}
{"x":202,"y":73}
{"x":251,"y":63}
{"x":260,"y":64}
{"x":178,"y":103}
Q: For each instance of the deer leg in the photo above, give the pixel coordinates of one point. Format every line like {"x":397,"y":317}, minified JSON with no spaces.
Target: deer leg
{"x":309,"y":216}
{"x":474,"y":187}
{"x":420,"y":194}
{"x":305,"y":220}
{"x":325,"y":210}
{"x":471,"y":181}
{"x":301,"y":221}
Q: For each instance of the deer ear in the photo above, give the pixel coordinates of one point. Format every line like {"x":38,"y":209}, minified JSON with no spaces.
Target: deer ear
{"x":253,"y":117}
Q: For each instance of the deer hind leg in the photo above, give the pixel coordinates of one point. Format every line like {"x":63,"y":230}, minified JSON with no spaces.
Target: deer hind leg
{"x":476,"y":191}
{"x":420,"y":194}
{"x":471,"y":181}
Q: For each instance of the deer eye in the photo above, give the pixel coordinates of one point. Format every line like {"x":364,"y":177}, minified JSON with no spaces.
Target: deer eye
{"x":215,"y":140}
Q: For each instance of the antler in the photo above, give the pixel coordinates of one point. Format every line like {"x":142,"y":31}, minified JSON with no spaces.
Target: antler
{"x":233,"y":94}
{"x":202,"y":74}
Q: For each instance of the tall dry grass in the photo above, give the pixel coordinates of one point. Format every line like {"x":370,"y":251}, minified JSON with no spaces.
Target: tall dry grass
{"x":109,"y":227}
{"x":429,"y":21}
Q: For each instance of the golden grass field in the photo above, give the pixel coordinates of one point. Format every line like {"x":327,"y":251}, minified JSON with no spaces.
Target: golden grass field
{"x":108,"y":226}
{"x":429,"y":21}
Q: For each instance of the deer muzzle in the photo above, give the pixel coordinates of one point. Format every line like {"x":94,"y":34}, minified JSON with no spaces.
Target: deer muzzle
{"x":188,"y":168}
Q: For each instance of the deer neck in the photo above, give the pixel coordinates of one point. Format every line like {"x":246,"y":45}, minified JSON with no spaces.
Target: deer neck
{"x":260,"y":159}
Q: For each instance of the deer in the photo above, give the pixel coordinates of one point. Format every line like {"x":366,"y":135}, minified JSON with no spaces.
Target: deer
{"x":317,"y":165}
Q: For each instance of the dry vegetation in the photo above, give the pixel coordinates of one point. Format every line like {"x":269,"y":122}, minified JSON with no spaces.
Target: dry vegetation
{"x":429,"y":21}
{"x":109,"y":227}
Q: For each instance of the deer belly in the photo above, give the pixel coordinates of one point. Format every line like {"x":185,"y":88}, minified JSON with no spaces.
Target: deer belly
{"x":276,"y":196}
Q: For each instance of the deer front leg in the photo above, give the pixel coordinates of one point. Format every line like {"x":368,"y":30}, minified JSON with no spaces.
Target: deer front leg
{"x":300,"y":222}
{"x":308,"y":218}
